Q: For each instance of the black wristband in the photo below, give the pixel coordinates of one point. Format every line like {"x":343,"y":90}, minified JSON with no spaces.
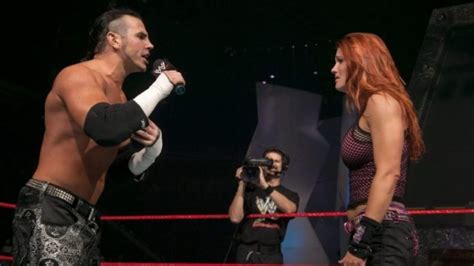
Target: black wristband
{"x":361,"y":240}
{"x":268,"y":190}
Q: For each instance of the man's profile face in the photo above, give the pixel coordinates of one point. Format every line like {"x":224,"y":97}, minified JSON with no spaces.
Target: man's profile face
{"x":137,"y":45}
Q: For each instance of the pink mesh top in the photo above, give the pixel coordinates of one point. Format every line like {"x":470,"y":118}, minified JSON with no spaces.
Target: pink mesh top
{"x":357,"y":154}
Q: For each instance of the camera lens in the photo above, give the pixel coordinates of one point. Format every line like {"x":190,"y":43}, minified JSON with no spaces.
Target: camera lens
{"x":250,"y":173}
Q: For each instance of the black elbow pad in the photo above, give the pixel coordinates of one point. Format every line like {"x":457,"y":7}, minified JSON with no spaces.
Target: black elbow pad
{"x":110,"y":124}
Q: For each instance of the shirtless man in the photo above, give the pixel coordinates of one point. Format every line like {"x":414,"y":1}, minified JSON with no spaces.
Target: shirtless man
{"x":88,"y":123}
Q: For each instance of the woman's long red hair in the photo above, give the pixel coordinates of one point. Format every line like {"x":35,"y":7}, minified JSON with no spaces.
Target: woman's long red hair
{"x":371,"y":70}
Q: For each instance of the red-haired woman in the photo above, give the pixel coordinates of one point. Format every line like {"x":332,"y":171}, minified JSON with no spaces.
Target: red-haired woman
{"x":377,"y":150}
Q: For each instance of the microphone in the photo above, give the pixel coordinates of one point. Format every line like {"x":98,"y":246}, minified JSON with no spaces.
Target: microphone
{"x":161,"y":65}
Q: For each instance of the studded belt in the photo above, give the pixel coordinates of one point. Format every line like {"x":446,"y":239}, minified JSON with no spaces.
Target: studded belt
{"x":81,"y":206}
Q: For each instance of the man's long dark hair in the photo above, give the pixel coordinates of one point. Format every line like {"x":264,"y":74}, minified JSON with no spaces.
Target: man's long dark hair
{"x":100,"y":28}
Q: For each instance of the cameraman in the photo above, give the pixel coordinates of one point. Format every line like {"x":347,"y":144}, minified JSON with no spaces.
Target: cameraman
{"x":259,"y":238}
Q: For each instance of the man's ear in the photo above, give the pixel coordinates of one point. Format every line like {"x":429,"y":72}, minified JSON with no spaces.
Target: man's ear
{"x":114,"y":39}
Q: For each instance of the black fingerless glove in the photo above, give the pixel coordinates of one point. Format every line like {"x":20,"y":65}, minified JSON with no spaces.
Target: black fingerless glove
{"x":361,"y":240}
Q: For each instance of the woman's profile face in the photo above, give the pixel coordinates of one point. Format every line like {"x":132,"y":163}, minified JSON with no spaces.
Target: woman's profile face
{"x":339,"y":70}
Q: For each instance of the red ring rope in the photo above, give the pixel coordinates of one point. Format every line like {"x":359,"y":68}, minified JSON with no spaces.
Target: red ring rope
{"x":10,"y":258}
{"x":225,"y":216}
{"x":7,"y":205}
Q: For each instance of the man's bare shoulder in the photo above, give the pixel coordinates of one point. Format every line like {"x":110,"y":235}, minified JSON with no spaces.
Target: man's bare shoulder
{"x":76,"y":76}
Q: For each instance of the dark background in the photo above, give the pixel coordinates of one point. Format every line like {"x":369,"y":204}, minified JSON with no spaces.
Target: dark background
{"x":222,"y":48}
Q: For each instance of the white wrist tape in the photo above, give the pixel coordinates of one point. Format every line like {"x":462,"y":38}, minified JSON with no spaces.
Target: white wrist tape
{"x":159,"y":90}
{"x":142,"y":159}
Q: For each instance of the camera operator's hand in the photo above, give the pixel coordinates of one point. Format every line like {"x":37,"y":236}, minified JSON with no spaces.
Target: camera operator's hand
{"x":236,"y":209}
{"x":261,"y":178}
{"x":238,"y":175}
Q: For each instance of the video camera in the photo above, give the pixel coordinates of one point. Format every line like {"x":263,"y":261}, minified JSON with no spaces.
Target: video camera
{"x":250,"y":170}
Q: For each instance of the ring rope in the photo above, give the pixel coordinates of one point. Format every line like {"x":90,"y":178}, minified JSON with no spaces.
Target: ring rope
{"x":448,"y":211}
